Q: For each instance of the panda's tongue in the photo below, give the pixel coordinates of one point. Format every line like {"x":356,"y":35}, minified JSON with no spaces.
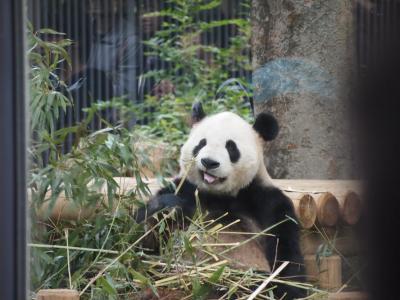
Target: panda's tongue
{"x":209,"y":178}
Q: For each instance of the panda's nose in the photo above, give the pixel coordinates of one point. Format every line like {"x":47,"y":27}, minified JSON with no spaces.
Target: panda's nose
{"x":209,"y":163}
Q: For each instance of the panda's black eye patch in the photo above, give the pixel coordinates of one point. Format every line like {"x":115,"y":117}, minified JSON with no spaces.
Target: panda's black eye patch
{"x":200,"y":145}
{"x":233,"y":151}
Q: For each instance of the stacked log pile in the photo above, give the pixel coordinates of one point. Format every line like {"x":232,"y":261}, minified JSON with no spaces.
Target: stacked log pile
{"x":337,"y":208}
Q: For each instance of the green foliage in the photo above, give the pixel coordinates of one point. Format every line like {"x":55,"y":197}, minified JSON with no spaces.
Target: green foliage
{"x":105,"y":231}
{"x":196,"y":68}
{"x":47,"y":100}
{"x":197,"y":72}
{"x":92,"y":164}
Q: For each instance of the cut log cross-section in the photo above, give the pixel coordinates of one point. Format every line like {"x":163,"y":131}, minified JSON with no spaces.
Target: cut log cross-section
{"x":350,"y":207}
{"x":305,"y":209}
{"x":328,"y":211}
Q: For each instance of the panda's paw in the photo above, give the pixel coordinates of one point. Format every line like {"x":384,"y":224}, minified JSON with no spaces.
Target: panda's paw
{"x":289,"y":292}
{"x":156,"y":205}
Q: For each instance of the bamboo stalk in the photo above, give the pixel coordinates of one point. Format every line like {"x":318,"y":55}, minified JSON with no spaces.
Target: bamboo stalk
{"x":57,"y":294}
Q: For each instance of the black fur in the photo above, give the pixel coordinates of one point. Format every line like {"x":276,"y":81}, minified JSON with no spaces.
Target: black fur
{"x":234,"y":153}
{"x":266,"y":205}
{"x":198,"y":113}
{"x":200,"y":145}
{"x":267,"y":126}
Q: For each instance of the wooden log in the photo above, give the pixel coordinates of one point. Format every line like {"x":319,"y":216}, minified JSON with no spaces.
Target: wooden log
{"x":57,"y":294}
{"x":318,"y":186}
{"x":350,"y":207}
{"x":348,"y":296}
{"x":328,"y":209}
{"x":66,"y":209}
{"x":346,"y":191}
{"x":327,"y":274}
{"x":305,"y":208}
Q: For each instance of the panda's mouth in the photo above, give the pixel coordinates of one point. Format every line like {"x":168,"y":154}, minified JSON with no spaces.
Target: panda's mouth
{"x":211,"y":179}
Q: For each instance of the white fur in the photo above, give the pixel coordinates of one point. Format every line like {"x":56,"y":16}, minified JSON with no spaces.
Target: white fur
{"x":217,"y":130}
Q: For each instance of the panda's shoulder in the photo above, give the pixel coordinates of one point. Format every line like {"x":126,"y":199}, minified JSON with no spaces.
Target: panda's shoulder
{"x":267,"y":194}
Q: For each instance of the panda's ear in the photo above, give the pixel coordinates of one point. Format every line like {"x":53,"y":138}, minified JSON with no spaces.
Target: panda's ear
{"x":197,"y":113}
{"x":267,"y":126}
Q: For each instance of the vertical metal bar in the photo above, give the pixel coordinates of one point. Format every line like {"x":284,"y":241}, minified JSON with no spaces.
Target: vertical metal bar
{"x":75,"y":59}
{"x":230,"y":30}
{"x":228,"y":15}
{"x":71,"y":109}
{"x":210,"y":17}
{"x":13,"y":279}
{"x":33,"y":14}
{"x":219,"y":28}
{"x":84,"y":56}
{"x":61,"y":27}
{"x":109,"y":12}
{"x":121,"y":36}
{"x":248,"y":51}
{"x":205,"y":40}
{"x":133,"y":60}
{"x":161,"y":6}
{"x":146,"y":37}
{"x":114,"y":26}
{"x":97,"y":81}
{"x":91,"y":74}
{"x":141,"y":58}
{"x":156,"y":7}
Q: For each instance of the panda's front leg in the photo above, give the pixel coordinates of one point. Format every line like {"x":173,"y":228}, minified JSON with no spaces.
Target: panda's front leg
{"x":276,"y":211}
{"x":163,"y":202}
{"x":285,"y":247}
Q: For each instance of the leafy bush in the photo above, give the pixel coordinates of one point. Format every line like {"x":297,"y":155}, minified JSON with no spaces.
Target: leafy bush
{"x":95,"y":159}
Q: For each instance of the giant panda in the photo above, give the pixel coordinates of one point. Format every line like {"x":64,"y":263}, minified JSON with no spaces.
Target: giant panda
{"x":223,"y":161}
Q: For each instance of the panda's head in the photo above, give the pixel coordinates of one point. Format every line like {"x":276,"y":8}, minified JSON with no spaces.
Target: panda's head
{"x":224,"y":152}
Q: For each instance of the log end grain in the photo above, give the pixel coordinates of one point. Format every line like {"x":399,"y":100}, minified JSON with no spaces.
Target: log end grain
{"x":350,"y":208}
{"x":306,"y":210}
{"x":328,"y":211}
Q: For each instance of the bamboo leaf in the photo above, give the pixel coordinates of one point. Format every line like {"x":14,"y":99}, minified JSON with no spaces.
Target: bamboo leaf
{"x":50,"y":31}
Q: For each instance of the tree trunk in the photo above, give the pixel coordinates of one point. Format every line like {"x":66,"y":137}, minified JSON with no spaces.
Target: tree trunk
{"x":303,"y":62}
